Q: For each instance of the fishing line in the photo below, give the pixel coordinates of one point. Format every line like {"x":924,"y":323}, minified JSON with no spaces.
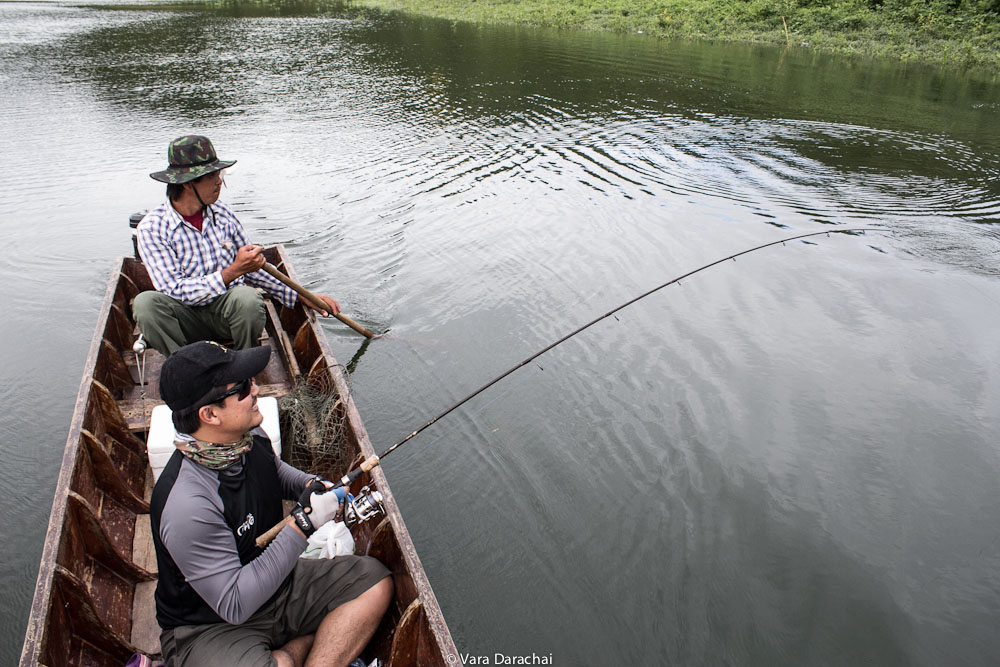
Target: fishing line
{"x":374,"y":460}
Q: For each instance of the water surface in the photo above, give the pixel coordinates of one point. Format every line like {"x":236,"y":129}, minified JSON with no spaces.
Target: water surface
{"x":787,"y":459}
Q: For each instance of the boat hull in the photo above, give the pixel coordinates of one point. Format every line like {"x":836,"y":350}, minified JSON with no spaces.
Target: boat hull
{"x":93,"y":602}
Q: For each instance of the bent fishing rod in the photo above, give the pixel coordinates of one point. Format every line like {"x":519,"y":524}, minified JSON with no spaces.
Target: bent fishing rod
{"x":375,"y":459}
{"x":368,"y":503}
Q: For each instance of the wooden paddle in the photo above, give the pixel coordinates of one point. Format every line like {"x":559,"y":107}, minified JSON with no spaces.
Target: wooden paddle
{"x":315,"y":300}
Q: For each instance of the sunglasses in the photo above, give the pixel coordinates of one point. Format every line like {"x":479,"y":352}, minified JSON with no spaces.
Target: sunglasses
{"x":241,"y":390}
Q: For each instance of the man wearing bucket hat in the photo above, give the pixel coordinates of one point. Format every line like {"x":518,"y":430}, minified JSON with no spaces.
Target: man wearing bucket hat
{"x":220,"y":599}
{"x":200,"y":261}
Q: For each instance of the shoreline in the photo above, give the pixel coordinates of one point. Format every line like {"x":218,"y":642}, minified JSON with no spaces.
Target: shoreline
{"x":918,"y":33}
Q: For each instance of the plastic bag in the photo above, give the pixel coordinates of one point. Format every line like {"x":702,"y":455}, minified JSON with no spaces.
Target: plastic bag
{"x":331,"y":539}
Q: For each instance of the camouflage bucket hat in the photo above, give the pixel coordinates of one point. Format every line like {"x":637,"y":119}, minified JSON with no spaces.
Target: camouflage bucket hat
{"x":190,"y":157}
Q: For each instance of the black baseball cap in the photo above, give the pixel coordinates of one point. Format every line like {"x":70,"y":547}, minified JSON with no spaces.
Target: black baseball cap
{"x":191,"y":372}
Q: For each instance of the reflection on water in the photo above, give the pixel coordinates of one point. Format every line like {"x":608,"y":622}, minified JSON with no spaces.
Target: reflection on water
{"x":455,"y":111}
{"x":789,"y":459}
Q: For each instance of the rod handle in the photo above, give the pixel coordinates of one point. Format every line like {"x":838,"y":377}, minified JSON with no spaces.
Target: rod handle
{"x":316,"y":486}
{"x":265,"y":539}
{"x":366,"y":465}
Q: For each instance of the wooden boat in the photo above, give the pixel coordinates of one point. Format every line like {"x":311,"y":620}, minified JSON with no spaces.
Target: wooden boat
{"x":93,"y":602}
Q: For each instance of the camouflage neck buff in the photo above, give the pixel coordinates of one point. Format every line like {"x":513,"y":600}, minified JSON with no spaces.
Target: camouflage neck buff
{"x":211,"y":455}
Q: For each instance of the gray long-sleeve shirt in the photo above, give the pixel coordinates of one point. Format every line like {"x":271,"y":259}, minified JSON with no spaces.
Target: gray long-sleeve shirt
{"x":194,"y":531}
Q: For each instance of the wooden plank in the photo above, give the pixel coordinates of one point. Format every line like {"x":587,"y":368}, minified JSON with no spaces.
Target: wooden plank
{"x":306,"y":346}
{"x":135,"y":272}
{"x":87,"y":622}
{"x":145,"y":629}
{"x":137,"y":413}
{"x":148,"y":366}
{"x":119,"y":328}
{"x":107,"y":475}
{"x":284,"y":345}
{"x":276,"y":372}
{"x":129,"y":288}
{"x":113,"y":420}
{"x":148,"y":493}
{"x":405,"y":643}
{"x":110,"y":360}
{"x":143,"y":551}
{"x":91,"y":532}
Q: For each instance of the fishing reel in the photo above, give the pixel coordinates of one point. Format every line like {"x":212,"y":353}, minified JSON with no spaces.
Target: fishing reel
{"x":366,"y":504}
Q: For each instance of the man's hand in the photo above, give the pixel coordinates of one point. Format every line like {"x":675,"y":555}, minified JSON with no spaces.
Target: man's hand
{"x":325,"y":506}
{"x":320,"y":502}
{"x":332,"y":307}
{"x":249,"y":258}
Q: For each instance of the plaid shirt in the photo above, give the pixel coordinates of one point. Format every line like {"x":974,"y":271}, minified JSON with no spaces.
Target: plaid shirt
{"x":187,"y":264}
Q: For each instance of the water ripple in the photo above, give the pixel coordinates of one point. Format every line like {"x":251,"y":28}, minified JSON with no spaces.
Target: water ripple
{"x":784,"y":437}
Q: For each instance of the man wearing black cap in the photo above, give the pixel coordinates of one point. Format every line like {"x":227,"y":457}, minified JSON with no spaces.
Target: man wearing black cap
{"x":220,"y":599}
{"x":200,"y":260}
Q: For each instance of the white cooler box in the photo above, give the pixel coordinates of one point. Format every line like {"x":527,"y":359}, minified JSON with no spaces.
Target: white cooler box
{"x":160,"y":443}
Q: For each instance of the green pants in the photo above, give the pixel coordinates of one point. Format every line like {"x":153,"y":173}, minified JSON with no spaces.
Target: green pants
{"x":167,"y":324}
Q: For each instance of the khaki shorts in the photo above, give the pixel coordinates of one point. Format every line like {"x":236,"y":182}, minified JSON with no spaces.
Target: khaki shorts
{"x":317,"y":587}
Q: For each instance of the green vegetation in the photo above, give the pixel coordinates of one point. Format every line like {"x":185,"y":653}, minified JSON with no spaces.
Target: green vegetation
{"x":955,"y":32}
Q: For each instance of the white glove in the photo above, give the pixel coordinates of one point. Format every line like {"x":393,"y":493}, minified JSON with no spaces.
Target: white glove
{"x":324,"y":506}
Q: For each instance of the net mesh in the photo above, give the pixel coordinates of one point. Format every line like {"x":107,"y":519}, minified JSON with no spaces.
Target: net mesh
{"x":315,"y":427}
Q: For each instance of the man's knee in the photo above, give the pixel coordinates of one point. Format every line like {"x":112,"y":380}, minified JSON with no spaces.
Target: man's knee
{"x":283,"y":659}
{"x":246,"y":295}
{"x":244,"y":315}
{"x":244,"y":301}
{"x":149,"y":305}
{"x":161,"y":320}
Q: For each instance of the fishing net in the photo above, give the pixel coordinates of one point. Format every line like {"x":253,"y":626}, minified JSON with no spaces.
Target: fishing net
{"x":314,"y":426}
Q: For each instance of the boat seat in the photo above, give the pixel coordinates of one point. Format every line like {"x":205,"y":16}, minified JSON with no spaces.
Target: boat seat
{"x":160,"y":442}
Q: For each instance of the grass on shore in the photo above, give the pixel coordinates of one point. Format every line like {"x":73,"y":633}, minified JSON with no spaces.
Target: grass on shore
{"x":955,"y":32}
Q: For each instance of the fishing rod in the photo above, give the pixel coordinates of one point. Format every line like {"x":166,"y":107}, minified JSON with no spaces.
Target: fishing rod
{"x":368,"y":502}
{"x":375,"y":459}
